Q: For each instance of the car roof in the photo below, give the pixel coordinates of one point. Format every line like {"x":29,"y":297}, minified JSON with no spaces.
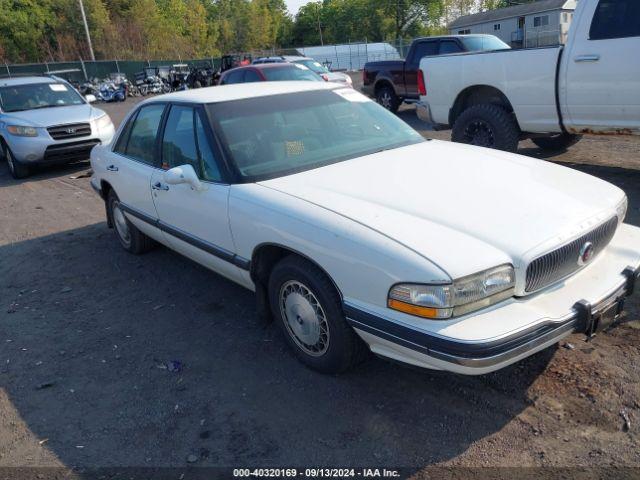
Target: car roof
{"x":440,"y":37}
{"x":240,"y":91}
{"x":293,"y":58}
{"x":275,"y":58}
{"x":11,"y":81}
{"x":260,"y":66}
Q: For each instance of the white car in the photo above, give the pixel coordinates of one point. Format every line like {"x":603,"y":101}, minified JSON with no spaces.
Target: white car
{"x":354,"y":230}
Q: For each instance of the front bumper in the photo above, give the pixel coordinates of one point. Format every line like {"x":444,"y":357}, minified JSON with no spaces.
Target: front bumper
{"x":423,"y":110}
{"x":486,"y":341}
{"x":45,"y":150}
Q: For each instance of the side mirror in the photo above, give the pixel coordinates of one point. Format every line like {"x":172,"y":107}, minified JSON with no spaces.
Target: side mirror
{"x":90,"y":98}
{"x":183,"y":174}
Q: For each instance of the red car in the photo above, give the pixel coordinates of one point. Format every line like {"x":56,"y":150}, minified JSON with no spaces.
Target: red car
{"x":269,"y":72}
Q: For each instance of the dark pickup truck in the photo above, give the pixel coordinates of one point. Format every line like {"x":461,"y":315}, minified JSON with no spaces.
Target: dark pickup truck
{"x":392,"y":82}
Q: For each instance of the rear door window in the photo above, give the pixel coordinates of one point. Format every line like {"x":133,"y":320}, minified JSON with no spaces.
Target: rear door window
{"x":141,"y":145}
{"x":424,"y":49}
{"x":251,"y":76}
{"x":233,"y":77}
{"x":449,"y":46}
{"x":615,"y":19}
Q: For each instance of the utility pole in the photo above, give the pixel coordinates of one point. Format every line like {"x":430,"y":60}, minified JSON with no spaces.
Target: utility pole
{"x":86,"y":29}
{"x":319,"y":25}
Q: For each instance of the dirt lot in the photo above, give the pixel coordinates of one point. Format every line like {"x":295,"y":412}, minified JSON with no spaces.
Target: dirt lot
{"x":86,"y":331}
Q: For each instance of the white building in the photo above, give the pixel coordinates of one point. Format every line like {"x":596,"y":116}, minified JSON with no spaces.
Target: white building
{"x":536,"y":24}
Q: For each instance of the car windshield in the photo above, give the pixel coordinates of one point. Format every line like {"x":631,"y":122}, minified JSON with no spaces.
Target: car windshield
{"x":313,"y":65}
{"x":16,"y":98}
{"x":489,"y":42}
{"x":278,"y":135}
{"x":290,"y":72}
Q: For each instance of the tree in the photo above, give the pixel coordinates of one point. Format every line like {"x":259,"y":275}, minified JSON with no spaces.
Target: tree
{"x":22,"y":29}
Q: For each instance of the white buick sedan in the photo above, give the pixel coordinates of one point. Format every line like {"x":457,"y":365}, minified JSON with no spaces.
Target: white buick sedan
{"x":354,"y":231}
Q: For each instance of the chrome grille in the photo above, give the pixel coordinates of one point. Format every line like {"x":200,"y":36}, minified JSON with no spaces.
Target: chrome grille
{"x":563,"y":261}
{"x":74,"y":130}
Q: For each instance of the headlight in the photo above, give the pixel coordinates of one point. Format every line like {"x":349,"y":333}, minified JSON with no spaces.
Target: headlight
{"x":22,"y":131}
{"x":465,"y":295}
{"x":621,"y":209}
{"x":104,"y":122}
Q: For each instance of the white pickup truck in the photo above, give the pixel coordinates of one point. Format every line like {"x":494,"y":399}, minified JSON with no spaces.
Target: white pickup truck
{"x":551,"y":95}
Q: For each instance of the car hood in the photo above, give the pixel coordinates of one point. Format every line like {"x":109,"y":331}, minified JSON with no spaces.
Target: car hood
{"x":337,"y":77}
{"x":46,"y":117}
{"x":464,"y":208}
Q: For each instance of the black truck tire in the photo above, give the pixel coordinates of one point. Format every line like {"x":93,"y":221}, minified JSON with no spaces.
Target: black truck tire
{"x":487,"y":125}
{"x":386,"y":96}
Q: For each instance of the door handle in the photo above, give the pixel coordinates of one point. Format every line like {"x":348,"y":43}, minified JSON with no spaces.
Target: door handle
{"x":112,"y":168}
{"x":587,"y":58}
{"x":160,"y":186}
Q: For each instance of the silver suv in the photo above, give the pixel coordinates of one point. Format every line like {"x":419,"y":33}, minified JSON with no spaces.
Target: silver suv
{"x":44,"y":120}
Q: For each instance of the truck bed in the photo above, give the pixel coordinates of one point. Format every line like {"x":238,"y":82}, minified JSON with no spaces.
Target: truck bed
{"x":527,"y":77}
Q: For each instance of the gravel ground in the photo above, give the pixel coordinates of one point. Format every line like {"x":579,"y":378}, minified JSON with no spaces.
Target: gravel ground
{"x":87,"y":331}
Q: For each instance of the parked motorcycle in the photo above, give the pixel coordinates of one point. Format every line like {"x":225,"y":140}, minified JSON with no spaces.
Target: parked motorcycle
{"x":179,"y":77}
{"x":149,"y":82}
{"x":110,"y":92}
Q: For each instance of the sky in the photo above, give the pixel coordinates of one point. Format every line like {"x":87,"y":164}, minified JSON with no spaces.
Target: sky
{"x":294,"y":5}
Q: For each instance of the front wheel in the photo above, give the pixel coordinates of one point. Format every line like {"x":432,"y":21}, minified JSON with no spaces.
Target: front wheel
{"x":386,"y":97}
{"x":131,"y":239}
{"x":558,"y":143}
{"x":308,"y":309}
{"x":487,"y":125}
{"x":16,"y":169}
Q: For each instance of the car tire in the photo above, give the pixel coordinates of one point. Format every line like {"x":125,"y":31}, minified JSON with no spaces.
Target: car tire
{"x":387,"y":97}
{"x":297,"y":287}
{"x":487,"y":125}
{"x":17,"y":169}
{"x":131,"y":239}
{"x":557,"y":143}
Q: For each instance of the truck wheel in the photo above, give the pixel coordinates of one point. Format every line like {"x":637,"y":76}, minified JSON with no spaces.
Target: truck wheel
{"x":488,"y":126}
{"x":308,"y":308}
{"x":16,"y":169}
{"x":131,"y":239}
{"x":558,"y":142}
{"x":386,"y":97}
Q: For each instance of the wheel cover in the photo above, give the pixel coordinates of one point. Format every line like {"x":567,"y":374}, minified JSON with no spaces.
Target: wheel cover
{"x":304,"y":318}
{"x":385,"y":100}
{"x":479,"y":133}
{"x":120,"y":222}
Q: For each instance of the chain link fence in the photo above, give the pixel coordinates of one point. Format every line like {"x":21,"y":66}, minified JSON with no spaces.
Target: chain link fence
{"x":342,"y":57}
{"x":81,"y":70}
{"x":535,"y":38}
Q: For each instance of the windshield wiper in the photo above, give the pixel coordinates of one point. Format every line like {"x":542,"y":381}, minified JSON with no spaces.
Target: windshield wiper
{"x":48,"y":106}
{"x":36,"y":108}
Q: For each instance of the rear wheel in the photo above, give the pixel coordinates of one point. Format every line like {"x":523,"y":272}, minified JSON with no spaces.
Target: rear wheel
{"x":16,"y":169}
{"x":559,"y":142}
{"x":131,"y":239}
{"x":487,"y":125}
{"x":386,"y":97}
{"x":309,"y":310}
